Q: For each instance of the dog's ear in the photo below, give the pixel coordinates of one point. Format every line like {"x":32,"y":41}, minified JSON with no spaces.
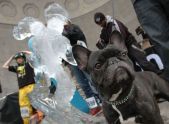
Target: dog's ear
{"x":115,"y":37}
{"x":81,"y":56}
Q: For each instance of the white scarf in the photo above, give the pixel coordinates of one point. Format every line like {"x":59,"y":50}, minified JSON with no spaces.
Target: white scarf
{"x":110,"y":19}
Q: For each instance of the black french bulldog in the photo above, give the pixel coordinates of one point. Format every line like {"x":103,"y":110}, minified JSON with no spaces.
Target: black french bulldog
{"x":124,"y":91}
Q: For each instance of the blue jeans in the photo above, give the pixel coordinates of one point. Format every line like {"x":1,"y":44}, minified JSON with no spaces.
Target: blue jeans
{"x":153,"y":16}
{"x":84,"y":81}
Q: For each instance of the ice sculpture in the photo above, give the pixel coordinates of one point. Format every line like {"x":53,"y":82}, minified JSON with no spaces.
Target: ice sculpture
{"x":22,"y":30}
{"x":55,"y":9}
{"x":49,"y":47}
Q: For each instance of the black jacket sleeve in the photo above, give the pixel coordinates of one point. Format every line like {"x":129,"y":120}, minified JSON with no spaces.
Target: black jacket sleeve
{"x":106,"y":33}
{"x":127,"y":36}
{"x":12,"y":69}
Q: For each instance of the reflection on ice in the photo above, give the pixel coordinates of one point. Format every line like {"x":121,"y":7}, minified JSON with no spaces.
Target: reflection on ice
{"x":49,"y":47}
{"x":56,"y":23}
{"x":58,"y":114}
{"x":37,"y":28}
{"x":56,"y":16}
{"x":55,"y":9}
{"x":22,"y":30}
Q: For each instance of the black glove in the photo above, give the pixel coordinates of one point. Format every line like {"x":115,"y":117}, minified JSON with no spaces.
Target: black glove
{"x":101,"y":44}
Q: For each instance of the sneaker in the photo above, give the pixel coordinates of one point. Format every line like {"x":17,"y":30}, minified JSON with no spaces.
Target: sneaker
{"x":95,"y":111}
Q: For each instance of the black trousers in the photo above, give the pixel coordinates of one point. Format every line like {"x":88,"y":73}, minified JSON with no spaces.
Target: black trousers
{"x":136,"y":55}
{"x":153,"y":16}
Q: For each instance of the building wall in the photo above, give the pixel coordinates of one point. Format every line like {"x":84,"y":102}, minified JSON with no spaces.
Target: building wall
{"x":8,"y":46}
{"x":123,"y":11}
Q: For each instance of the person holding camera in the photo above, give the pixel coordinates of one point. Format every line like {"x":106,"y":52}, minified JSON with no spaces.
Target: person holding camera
{"x":134,"y":52}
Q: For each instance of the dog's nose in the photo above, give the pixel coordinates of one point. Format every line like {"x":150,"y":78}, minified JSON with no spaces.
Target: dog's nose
{"x":113,"y":60}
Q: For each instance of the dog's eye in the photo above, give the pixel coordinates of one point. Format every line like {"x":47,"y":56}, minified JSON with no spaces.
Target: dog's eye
{"x":123,"y":53}
{"x":98,"y":66}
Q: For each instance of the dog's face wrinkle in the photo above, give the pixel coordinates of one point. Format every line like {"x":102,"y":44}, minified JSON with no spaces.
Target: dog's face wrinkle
{"x":110,"y":53}
{"x":124,"y":70}
{"x":101,"y":57}
{"x":103,"y":78}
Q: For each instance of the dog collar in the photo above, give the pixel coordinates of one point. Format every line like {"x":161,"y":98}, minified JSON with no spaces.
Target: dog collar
{"x":119,"y":102}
